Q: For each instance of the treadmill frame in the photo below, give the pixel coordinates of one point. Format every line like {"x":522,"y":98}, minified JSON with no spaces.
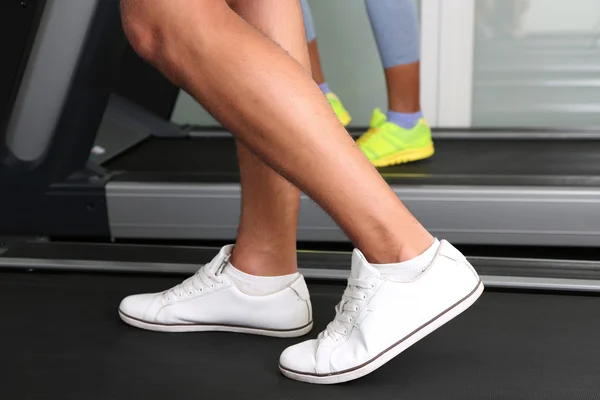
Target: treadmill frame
{"x":497,"y":272}
{"x":72,"y":196}
{"x":534,"y":216}
{"x":73,"y":56}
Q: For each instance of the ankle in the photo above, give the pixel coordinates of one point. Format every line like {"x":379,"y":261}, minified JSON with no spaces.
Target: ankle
{"x":258,"y":285}
{"x":405,"y":108}
{"x":416,"y":247}
{"x":404,"y":119}
{"x":399,"y":250}
{"x":324,"y":88}
{"x":265,"y":262}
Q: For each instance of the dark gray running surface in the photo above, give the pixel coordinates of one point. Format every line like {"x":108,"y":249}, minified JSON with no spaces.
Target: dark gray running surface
{"x":62,"y":339}
{"x":456,"y":162}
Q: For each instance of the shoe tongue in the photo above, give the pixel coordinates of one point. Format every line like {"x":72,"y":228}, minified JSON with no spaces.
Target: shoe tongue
{"x":361,"y":269}
{"x":378,"y":118}
{"x":220,"y":261}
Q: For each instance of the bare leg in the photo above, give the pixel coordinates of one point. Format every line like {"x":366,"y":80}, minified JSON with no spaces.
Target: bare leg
{"x":403,"y":85}
{"x":311,"y":38}
{"x":315,"y":62}
{"x":395,"y":24}
{"x":207,"y":49}
{"x":266,"y":241}
{"x":317,"y":71}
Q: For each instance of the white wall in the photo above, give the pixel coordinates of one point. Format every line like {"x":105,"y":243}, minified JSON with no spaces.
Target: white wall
{"x":546,"y":16}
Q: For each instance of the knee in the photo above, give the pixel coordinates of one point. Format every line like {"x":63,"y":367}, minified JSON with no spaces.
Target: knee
{"x":151,"y":26}
{"x":140,"y":27}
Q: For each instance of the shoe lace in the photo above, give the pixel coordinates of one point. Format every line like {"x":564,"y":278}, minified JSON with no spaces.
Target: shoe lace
{"x":205,"y":278}
{"x":346,"y":309}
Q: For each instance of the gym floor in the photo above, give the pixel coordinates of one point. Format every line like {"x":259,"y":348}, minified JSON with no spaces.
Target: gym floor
{"x":62,"y":339}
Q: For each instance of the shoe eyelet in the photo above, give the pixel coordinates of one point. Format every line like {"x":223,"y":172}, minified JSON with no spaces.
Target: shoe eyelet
{"x":179,"y":296}
{"x":356,"y":308}
{"x":350,"y":319}
{"x":190,"y":293}
{"x":201,"y":289}
{"x":212,"y":286}
{"x":372,"y":286}
{"x":364,"y":296}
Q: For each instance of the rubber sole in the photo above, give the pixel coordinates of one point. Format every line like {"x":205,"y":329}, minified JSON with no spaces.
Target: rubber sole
{"x":215,"y":328}
{"x":381,"y":359}
{"x":404,"y":157}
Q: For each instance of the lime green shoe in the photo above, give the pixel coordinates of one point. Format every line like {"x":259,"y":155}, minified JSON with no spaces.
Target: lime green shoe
{"x":386,"y":143}
{"x":342,"y":114}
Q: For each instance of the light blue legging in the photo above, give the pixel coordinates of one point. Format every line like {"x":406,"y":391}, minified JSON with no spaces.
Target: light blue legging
{"x":395,"y":25}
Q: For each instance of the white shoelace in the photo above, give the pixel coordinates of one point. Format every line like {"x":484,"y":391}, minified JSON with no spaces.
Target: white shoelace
{"x":205,"y":278}
{"x":350,"y":304}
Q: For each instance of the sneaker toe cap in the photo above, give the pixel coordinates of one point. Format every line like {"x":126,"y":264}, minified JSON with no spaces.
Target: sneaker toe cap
{"x":301,"y":357}
{"x":144,"y":307}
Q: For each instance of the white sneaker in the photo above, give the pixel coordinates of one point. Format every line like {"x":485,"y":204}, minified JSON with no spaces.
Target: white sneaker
{"x":378,"y":319}
{"x":209,"y":301}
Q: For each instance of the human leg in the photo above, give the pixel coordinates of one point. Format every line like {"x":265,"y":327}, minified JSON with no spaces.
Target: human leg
{"x":266,"y":240}
{"x":211,"y":52}
{"x":316,"y":68}
{"x":395,"y":25}
{"x":401,"y":135}
{"x":258,"y":289}
{"x":217,"y":54}
{"x":311,"y":39}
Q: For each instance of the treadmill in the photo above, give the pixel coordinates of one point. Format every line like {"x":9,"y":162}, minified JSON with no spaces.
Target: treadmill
{"x":150,"y":179}
{"x":102,"y":197}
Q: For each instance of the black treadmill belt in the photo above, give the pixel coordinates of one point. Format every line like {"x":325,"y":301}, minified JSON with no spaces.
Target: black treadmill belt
{"x":489,"y":162}
{"x":63,"y":339}
{"x":202,"y":155}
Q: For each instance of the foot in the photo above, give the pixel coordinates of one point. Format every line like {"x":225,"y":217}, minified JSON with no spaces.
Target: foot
{"x":387,"y":144}
{"x":339,"y":109}
{"x":210,"y":301}
{"x":379,"y":318}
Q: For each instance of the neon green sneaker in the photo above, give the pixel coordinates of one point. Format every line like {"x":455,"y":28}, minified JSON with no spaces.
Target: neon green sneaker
{"x":386,"y":143}
{"x":342,"y":114}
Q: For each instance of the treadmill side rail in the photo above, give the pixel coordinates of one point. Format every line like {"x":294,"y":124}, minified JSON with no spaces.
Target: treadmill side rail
{"x":481,"y":215}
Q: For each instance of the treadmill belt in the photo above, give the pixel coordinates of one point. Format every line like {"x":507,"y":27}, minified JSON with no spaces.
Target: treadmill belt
{"x":63,"y":339}
{"x":473,"y":162}
{"x":214,"y":155}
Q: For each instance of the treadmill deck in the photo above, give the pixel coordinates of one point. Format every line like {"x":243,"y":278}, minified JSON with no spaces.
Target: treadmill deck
{"x":456,"y":162}
{"x":64,"y":340}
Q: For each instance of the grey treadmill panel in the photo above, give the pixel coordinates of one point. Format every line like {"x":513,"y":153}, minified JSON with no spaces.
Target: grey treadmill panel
{"x":47,"y":78}
{"x":474,"y":215}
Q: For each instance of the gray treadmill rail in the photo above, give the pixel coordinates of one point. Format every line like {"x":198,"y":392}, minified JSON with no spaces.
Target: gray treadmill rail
{"x":500,"y":272}
{"x":500,"y":215}
{"x":491,"y":281}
